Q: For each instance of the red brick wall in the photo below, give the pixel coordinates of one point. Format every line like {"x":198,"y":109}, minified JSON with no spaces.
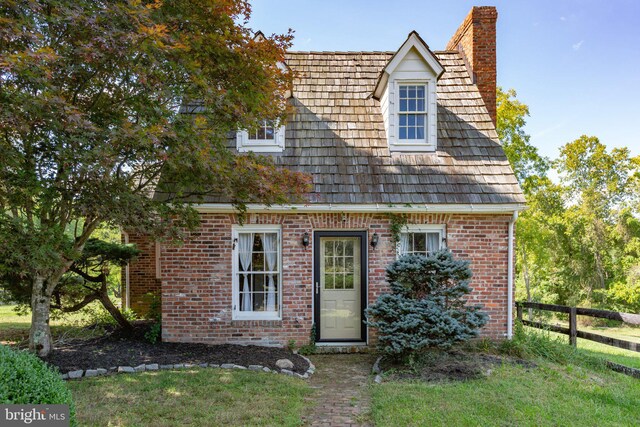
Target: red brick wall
{"x":476,"y":37}
{"x":197,"y":276}
{"x":142,"y":275}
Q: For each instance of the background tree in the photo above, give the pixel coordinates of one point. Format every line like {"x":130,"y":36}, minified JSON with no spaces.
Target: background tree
{"x":577,"y":243}
{"x":90,"y":94}
{"x":511,"y":120}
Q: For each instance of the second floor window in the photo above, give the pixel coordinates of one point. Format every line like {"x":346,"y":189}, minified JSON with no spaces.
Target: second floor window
{"x":267,"y":137}
{"x":412,"y":113}
{"x":265,"y":132}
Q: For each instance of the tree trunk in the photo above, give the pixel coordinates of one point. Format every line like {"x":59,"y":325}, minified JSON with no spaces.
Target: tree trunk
{"x":113,"y":310}
{"x":40,"y":333}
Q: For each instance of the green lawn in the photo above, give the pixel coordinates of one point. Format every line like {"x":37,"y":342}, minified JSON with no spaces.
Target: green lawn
{"x":549,"y":395}
{"x":206,"y":397}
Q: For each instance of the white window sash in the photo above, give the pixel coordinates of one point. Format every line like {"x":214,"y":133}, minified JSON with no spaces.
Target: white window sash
{"x":426,"y":229}
{"x":238,"y":276}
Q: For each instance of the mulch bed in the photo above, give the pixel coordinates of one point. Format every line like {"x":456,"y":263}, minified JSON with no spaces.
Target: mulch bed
{"x":116,"y":349}
{"x":450,"y":366}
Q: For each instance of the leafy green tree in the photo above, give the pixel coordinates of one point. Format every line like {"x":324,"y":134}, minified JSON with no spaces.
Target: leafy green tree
{"x":90,"y":94}
{"x":530,"y":169}
{"x":511,"y":120}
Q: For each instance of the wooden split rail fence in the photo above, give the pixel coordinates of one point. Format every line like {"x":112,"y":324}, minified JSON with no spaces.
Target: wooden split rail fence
{"x":572,"y":330}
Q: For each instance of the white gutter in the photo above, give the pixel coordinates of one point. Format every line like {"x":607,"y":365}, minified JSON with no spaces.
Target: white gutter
{"x":510,"y":277}
{"x":357,"y":208}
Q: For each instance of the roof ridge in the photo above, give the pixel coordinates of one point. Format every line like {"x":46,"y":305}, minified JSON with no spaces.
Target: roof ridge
{"x":341,"y":52}
{"x":359,"y":52}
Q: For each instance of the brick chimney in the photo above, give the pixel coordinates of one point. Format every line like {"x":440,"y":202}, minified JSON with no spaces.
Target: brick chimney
{"x":476,"y":39}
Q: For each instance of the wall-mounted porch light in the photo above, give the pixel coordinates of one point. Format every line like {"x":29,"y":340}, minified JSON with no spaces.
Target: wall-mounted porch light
{"x":305,"y":239}
{"x":374,"y":240}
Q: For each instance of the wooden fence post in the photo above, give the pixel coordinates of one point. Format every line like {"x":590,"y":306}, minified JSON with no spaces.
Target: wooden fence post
{"x":519,"y":311}
{"x":573,"y":327}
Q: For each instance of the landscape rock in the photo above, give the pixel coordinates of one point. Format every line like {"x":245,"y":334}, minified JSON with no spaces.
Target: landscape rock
{"x":188,"y":365}
{"x":102,"y":371}
{"x":203,"y":365}
{"x":64,"y":376}
{"x":166,"y":366}
{"x":152,"y":367}
{"x":139,"y":368}
{"x":239,"y":367}
{"x":91,"y":373}
{"x":266,"y":369}
{"x":75,"y":374}
{"x":227,"y":366}
{"x":288,"y":372}
{"x":378,"y":379}
{"x":214,"y":365}
{"x":125,"y":369}
{"x":255,"y":368}
{"x":284,"y":364}
{"x":178,"y":366}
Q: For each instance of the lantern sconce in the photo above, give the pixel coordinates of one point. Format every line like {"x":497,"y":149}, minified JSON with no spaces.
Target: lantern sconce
{"x":374,"y":240}
{"x":305,"y":239}
{"x":235,"y":241}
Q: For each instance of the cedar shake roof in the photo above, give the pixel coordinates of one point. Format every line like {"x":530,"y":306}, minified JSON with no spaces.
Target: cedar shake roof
{"x":336,"y":134}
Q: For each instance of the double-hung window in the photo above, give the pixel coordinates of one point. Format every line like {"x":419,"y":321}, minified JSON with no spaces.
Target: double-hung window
{"x":257,"y":272}
{"x":267,"y":137}
{"x":412,"y":113}
{"x":421,"y":239}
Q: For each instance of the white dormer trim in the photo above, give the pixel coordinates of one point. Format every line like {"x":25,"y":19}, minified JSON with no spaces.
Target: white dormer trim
{"x":412,"y":65}
{"x":276,"y":145}
{"x":413,"y":41}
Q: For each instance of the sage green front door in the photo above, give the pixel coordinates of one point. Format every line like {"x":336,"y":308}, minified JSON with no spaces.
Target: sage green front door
{"x":339,"y":288}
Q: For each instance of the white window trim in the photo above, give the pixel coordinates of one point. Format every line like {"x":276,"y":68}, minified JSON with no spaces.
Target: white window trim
{"x":413,"y":145}
{"x":236,"y":314}
{"x":425,"y":228}
{"x":275,"y":145}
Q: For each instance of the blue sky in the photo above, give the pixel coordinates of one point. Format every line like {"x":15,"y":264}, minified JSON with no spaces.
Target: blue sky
{"x":576,"y":63}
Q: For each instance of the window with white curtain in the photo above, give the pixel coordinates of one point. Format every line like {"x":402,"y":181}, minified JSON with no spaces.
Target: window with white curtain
{"x":421,"y":239}
{"x":257,"y":279}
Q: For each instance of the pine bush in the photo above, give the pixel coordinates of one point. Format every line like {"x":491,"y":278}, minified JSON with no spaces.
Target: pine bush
{"x":426,"y":307}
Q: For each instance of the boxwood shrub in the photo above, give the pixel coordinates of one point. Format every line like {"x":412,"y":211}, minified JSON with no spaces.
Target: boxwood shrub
{"x":24,"y":378}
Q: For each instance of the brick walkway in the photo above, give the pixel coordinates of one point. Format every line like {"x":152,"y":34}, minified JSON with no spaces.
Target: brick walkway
{"x":342,"y":394}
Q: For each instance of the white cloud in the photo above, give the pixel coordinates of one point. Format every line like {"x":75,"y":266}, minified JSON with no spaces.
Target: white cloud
{"x":562,"y":18}
{"x":578,"y":45}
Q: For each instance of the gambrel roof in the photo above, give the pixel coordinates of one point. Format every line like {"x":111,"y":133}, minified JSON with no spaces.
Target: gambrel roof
{"x":336,"y":134}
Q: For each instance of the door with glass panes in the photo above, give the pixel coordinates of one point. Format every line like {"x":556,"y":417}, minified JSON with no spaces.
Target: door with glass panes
{"x":339,"y":287}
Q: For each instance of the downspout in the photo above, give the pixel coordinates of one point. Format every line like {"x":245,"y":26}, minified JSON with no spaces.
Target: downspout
{"x":510,"y":276}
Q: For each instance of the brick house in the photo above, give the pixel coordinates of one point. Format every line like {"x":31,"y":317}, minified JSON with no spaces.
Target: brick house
{"x":382,"y":134}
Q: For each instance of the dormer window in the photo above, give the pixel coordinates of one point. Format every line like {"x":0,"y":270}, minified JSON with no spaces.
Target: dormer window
{"x":264,"y":132}
{"x":268,"y":137}
{"x":412,"y":113}
{"x":407,"y":93}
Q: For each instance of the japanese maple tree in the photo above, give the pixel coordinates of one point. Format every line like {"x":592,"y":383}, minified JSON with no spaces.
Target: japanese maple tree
{"x":90,"y":125}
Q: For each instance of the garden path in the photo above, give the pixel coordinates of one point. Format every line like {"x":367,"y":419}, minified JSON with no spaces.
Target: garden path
{"x":341,"y":384}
